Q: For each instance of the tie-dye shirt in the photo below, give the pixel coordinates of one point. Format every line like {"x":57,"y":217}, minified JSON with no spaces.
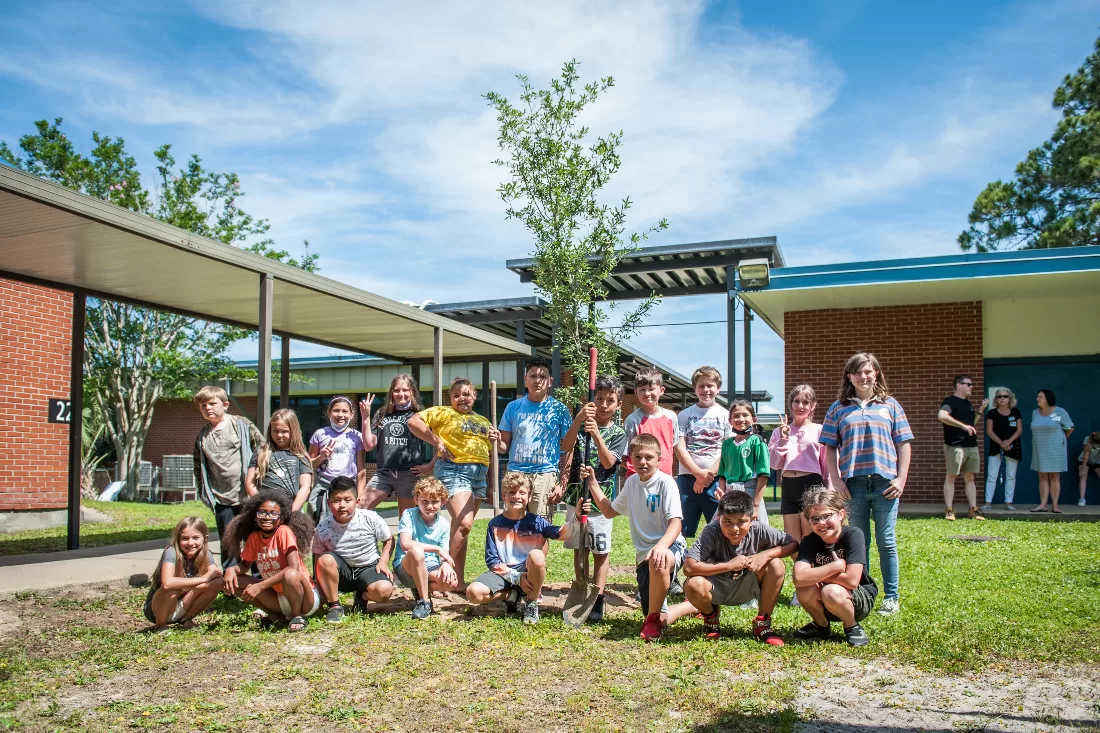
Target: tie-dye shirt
{"x":508,"y":542}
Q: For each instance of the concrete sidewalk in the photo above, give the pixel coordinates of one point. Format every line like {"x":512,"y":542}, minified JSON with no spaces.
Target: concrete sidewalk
{"x":130,"y":561}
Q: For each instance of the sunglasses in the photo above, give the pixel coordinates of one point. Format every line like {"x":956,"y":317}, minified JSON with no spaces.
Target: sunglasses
{"x":1002,"y":397}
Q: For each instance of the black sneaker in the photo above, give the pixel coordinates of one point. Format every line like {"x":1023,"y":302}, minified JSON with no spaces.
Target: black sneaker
{"x":813,"y":632}
{"x":511,"y":603}
{"x":334,"y":614}
{"x":856,"y":636}
{"x":359,"y":605}
{"x":531,"y":612}
{"x":422,"y":609}
{"x":675,"y":589}
{"x":596,"y":615}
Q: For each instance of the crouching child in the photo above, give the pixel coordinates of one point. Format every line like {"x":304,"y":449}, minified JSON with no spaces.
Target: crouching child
{"x":830,"y":575}
{"x":515,"y":552}
{"x":186,"y":581}
{"x":734,"y":561}
{"x":267,"y":532}
{"x":423,"y":536}
{"x":346,"y":552}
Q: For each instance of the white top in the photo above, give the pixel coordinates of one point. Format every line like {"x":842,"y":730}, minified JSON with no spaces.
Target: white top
{"x":355,"y":542}
{"x":704,"y":429}
{"x":650,"y":505}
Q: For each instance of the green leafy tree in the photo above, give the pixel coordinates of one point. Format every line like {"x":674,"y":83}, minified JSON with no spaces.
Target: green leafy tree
{"x":555,"y":174}
{"x":134,"y":356}
{"x":1054,"y":201}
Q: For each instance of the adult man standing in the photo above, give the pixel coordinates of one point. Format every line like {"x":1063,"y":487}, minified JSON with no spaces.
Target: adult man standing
{"x":960,"y":445}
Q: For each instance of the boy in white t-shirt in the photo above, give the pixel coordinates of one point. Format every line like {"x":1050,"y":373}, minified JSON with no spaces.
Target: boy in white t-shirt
{"x":652,"y":502}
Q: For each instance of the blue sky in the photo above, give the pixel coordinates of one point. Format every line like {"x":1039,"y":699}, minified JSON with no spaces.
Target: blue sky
{"x":849,"y":130}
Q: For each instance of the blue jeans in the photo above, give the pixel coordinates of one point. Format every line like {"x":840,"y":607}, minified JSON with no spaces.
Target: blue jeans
{"x":695,"y":506}
{"x":868,"y":501}
{"x":460,"y":477}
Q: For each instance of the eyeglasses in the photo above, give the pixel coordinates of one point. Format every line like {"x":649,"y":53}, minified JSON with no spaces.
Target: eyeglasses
{"x":268,"y":515}
{"x":822,"y":519}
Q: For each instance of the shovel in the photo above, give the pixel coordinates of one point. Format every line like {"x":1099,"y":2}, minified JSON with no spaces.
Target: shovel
{"x":583,"y":593}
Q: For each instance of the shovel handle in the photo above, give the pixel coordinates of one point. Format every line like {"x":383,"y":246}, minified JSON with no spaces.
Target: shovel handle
{"x":588,"y":438}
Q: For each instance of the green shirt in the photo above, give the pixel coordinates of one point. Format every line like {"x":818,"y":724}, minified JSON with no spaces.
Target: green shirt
{"x":614,"y":437}
{"x":744,"y":461}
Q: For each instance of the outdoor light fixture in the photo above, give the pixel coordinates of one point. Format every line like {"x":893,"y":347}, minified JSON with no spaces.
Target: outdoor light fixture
{"x":753,"y":274}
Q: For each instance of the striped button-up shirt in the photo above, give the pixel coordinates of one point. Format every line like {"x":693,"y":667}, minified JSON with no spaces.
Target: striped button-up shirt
{"x":866,"y":436}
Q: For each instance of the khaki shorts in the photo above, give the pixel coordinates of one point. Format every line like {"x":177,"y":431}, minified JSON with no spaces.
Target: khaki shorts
{"x":542,"y":485}
{"x":961,"y":460}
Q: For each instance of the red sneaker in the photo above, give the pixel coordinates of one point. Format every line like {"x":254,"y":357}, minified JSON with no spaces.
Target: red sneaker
{"x":653,"y":627}
{"x":711,"y":628}
{"x":762,"y":630}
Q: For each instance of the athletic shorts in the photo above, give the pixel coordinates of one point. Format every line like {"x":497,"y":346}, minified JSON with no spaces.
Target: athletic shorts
{"x":407,"y":580}
{"x":352,"y":579}
{"x":463,"y":477}
{"x":175,"y":616}
{"x":792,"y":488}
{"x":542,"y":485}
{"x":863,"y":598}
{"x":678,"y":550}
{"x":961,"y":460}
{"x":597,"y":533}
{"x":733,"y":591}
{"x":284,"y":604}
{"x":393,"y":483}
{"x":496,"y":583}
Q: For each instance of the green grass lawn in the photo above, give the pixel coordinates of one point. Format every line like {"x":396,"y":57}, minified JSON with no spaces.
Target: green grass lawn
{"x":133,"y":522}
{"x":1029,"y":602}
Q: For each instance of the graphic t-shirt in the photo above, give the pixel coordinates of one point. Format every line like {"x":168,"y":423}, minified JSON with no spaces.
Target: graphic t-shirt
{"x":342,"y":461}
{"x":614,"y":437}
{"x":744,"y":461}
{"x":466,"y":435}
{"x":221,"y":448}
{"x":437,"y":533}
{"x":508,"y":542}
{"x":269,"y":553}
{"x":397,"y":448}
{"x":355,"y":542}
{"x":664,"y":426}
{"x":704,"y":429}
{"x":1004,"y":427}
{"x":713,"y":547}
{"x":650,"y":505}
{"x":962,"y":411}
{"x":284,"y":469}
{"x":850,"y":547}
{"x":537,"y":430}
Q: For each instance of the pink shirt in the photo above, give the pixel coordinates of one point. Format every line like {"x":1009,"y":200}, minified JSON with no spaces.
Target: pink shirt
{"x":800,"y":452}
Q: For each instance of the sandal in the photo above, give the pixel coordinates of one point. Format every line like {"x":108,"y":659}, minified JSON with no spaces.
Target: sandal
{"x":1056,"y":511}
{"x":1040,"y":509}
{"x":296,"y":624}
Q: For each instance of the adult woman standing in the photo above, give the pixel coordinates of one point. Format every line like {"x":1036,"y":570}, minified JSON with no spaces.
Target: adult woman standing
{"x":1004,"y":425}
{"x":866,"y":437}
{"x":1050,"y":426}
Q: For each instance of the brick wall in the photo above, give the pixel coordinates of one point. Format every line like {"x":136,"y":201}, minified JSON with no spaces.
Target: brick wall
{"x":35,"y":330}
{"x":921,"y":349}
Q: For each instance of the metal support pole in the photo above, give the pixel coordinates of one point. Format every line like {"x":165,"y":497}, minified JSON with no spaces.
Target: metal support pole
{"x":284,"y":374}
{"x":437,"y":368}
{"x":414,"y":372}
{"x":484,"y":388}
{"x":731,"y":334}
{"x":263,"y":363}
{"x":521,"y":336}
{"x":76,"y":418}
{"x":555,"y":361}
{"x":747,"y":315}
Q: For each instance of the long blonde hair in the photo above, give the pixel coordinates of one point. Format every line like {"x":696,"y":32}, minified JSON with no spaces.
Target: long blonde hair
{"x":202,"y":557}
{"x":848,"y":390}
{"x":297,"y":445}
{"x":387,"y":406}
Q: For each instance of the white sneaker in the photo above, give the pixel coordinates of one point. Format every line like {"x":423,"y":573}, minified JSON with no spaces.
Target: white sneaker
{"x":794,"y":602}
{"x":751,"y":604}
{"x":986,"y":507}
{"x":1010,"y":507}
{"x":889,"y":606}
{"x":1080,"y":502}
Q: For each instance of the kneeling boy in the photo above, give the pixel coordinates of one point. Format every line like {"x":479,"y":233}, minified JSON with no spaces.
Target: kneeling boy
{"x":422,"y":562}
{"x":716,"y":566}
{"x":346,"y":550}
{"x":652,"y":501}
{"x":515,"y":551}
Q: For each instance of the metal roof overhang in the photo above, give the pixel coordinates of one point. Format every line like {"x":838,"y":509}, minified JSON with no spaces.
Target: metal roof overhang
{"x":500,"y":316}
{"x":680,"y":269}
{"x":996,"y":276}
{"x":57,"y":237}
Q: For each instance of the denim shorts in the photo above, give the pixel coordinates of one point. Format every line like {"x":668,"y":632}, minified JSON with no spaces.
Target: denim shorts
{"x":460,"y":477}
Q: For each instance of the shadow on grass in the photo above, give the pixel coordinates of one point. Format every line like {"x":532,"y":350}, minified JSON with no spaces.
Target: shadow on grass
{"x":36,"y":545}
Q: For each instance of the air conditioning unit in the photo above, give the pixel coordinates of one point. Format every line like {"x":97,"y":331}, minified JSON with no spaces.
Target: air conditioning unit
{"x":145,"y":474}
{"x":177,"y":472}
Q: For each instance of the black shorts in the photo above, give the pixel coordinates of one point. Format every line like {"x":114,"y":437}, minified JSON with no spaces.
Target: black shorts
{"x":641,"y":572}
{"x":355,"y":579}
{"x":495,"y":583}
{"x":863,"y":598}
{"x":791,"y":490}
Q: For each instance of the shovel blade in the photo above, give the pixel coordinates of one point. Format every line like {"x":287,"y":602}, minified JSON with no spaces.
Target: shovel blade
{"x":579,"y":602}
